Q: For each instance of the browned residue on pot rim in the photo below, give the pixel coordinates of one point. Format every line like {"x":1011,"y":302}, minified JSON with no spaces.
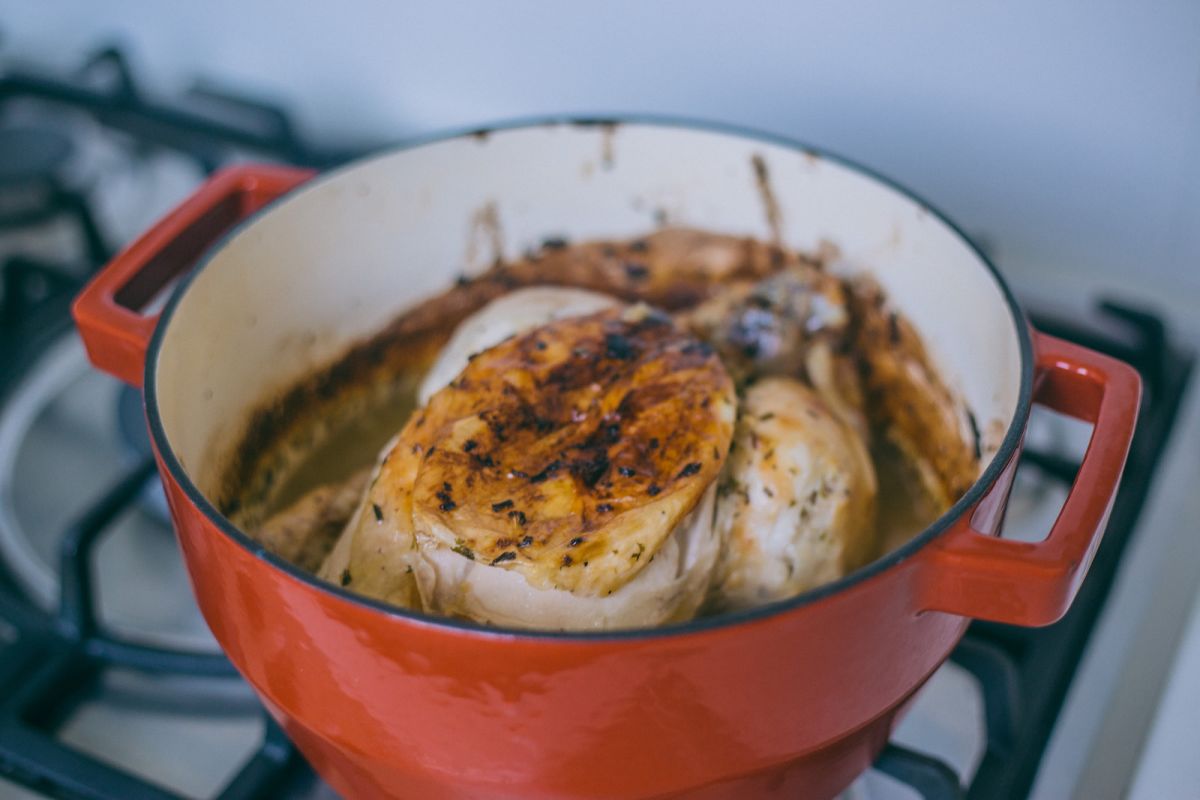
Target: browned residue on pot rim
{"x":485,"y":237}
{"x":608,"y":132}
{"x":762,"y":180}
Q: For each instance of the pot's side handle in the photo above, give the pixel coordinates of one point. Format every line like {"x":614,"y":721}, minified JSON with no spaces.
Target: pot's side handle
{"x":1033,"y":583}
{"x":109,"y":310}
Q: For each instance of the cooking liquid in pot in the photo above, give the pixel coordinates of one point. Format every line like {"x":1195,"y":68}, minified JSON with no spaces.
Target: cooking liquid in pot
{"x":344,"y":451}
{"x":904,"y":507}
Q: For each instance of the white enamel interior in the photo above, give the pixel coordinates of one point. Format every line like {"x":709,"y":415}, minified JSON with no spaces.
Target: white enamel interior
{"x":343,"y":255}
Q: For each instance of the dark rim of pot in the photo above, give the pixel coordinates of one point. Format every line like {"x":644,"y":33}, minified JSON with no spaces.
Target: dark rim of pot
{"x":977,"y":491}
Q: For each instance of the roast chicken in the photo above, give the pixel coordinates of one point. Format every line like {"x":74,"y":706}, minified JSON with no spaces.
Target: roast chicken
{"x":619,"y":434}
{"x":796,"y":506}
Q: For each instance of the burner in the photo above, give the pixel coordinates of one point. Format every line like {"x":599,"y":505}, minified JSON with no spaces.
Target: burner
{"x":35,"y":188}
{"x":31,"y":155}
{"x":59,"y":444}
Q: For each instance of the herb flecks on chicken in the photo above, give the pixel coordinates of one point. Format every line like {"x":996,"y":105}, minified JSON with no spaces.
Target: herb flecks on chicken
{"x":560,"y":420}
{"x":564,"y":478}
{"x":796,"y":504}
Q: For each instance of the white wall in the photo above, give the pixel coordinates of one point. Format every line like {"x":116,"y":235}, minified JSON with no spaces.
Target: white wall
{"x":1067,"y":132}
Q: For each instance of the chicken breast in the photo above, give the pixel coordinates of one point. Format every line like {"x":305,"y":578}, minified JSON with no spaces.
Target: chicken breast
{"x":563,"y":479}
{"x":506,"y":316}
{"x":796,"y":505}
{"x":671,"y":588}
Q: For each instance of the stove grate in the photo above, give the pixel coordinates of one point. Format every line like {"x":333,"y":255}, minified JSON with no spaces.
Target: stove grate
{"x":52,"y":663}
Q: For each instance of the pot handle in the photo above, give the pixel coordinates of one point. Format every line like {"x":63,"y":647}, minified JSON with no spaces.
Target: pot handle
{"x":1033,"y":583}
{"x":110,"y":311}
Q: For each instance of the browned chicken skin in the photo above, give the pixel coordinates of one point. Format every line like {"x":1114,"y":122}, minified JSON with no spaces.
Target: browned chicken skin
{"x":766,"y":326}
{"x":570,"y":455}
{"x":908,"y":400}
{"x":671,"y":269}
{"x":591,"y":437}
{"x":793,"y":323}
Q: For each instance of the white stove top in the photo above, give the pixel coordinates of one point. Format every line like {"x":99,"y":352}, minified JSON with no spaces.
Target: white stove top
{"x":1168,"y":765}
{"x":1117,"y":723}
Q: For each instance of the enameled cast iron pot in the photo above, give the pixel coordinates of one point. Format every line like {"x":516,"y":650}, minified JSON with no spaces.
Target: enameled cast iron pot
{"x":791,"y":700}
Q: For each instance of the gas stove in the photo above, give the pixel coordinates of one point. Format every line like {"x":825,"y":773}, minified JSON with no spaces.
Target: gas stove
{"x":111,"y":685}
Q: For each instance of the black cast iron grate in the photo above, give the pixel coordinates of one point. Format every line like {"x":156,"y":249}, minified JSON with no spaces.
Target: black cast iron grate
{"x":54,"y":660}
{"x":205,"y":124}
{"x":51,"y":662}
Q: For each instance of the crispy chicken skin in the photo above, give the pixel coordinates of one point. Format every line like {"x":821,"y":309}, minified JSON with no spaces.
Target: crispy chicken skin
{"x":571,"y":456}
{"x":796,"y":503}
{"x":908,"y":400}
{"x":604,"y":431}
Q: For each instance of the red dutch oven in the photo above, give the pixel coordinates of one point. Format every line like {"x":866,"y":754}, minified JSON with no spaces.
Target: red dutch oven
{"x":789,"y":700}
